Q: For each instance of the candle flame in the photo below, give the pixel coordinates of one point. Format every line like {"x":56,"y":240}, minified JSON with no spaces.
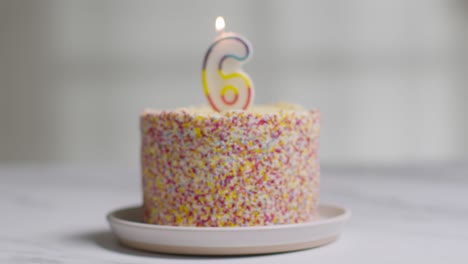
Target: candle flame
{"x":220,"y":24}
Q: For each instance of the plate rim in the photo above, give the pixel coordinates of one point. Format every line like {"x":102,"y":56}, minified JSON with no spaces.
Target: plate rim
{"x":113,"y":219}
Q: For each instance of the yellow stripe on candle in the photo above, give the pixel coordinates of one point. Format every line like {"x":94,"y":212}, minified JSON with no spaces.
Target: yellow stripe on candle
{"x":234,"y":75}
{"x":229,"y":88}
{"x":205,"y":83}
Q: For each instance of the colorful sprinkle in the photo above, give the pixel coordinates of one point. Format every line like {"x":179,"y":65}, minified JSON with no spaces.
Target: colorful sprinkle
{"x":236,"y":168}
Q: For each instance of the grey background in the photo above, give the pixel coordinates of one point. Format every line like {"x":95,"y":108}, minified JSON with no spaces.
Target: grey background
{"x":389,"y":76}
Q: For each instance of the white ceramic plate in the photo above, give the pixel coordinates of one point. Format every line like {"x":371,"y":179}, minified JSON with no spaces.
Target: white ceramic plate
{"x":127,"y":225}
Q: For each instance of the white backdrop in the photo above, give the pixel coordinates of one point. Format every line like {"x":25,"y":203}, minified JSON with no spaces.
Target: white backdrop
{"x":389,"y":76}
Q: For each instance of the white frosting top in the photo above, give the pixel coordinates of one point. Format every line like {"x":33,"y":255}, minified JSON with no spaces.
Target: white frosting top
{"x":257,"y":109}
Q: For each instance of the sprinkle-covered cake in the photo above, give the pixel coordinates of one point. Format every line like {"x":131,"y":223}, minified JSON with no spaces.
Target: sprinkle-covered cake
{"x":230,"y":168}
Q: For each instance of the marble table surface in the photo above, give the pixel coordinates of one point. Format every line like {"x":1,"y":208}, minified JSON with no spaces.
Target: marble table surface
{"x":415,"y":214}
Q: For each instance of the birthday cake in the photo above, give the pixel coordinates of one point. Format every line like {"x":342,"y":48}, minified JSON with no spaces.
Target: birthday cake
{"x":235,"y":168}
{"x":233,"y":163}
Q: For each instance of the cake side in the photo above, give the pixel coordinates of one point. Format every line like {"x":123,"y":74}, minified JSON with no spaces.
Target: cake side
{"x":235,"y":168}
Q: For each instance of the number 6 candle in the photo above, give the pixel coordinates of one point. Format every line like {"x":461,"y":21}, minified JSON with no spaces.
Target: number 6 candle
{"x":226,"y":86}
